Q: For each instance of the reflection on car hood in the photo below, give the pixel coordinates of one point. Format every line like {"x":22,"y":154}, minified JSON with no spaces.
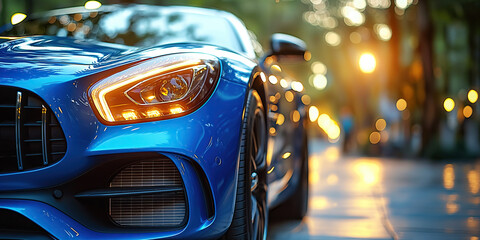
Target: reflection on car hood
{"x":33,"y":62}
{"x":59,"y":50}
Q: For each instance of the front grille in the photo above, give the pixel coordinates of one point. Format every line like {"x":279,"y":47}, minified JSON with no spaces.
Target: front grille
{"x":30,"y":136}
{"x":167,"y":209}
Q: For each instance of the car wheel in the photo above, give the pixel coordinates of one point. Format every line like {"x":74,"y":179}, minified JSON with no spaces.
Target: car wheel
{"x":296,"y":206}
{"x":251,"y":213}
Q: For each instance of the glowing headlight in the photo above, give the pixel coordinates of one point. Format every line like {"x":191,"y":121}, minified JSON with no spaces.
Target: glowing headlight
{"x":158,"y":88}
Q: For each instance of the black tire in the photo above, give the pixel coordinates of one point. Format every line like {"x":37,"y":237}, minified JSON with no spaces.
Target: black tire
{"x":251,"y":213}
{"x":295,"y":207}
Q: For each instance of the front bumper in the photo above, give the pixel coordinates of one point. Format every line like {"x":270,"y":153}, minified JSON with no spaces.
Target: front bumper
{"x":204,"y":141}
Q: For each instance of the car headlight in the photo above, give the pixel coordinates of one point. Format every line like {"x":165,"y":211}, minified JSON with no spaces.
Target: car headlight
{"x":163,"y":87}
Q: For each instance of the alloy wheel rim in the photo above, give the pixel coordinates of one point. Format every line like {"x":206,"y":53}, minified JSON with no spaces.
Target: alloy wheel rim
{"x":258,"y":176}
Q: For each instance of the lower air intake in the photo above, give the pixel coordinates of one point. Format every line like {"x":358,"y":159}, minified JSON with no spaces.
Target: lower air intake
{"x":152,"y":210}
{"x":166,"y":209}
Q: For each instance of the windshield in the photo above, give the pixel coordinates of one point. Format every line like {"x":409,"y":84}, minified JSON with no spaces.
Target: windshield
{"x":138,"y":26}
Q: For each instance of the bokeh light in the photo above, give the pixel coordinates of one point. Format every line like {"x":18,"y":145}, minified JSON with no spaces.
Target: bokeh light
{"x":382,"y":4}
{"x":273,"y":79}
{"x":272,"y":131}
{"x":383,"y":31}
{"x":275,"y":67}
{"x":367,"y":63}
{"x":402,"y":4}
{"x":329,"y":126}
{"x":263,"y":77}
{"x":313,"y":113}
{"x":359,"y":4}
{"x":449,"y":104}
{"x":283,"y":83}
{"x":319,"y":81}
{"x":295,"y":116}
{"x":306,"y":99}
{"x":380,"y":124}
{"x":401,"y":104}
{"x":297,"y":86}
{"x":280,"y":119}
{"x":319,"y":68}
{"x":352,"y":16}
{"x":467,"y":111}
{"x":472,"y":96}
{"x":333,"y":39}
{"x":289,"y":96}
{"x":374,"y":137}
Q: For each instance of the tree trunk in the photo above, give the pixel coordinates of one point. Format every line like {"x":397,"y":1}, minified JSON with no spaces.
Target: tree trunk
{"x":430,"y":110}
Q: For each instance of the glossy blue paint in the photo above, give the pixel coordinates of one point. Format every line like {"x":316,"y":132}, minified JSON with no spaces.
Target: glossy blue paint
{"x":209,"y":136}
{"x":60,"y":71}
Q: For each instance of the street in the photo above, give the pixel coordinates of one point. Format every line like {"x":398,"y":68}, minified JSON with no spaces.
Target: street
{"x":376,"y":198}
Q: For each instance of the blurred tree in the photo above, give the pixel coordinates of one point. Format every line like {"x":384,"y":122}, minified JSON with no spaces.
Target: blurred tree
{"x":426,"y":50}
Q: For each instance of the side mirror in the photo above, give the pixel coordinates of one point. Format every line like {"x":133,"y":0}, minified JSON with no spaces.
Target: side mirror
{"x":287,"y":45}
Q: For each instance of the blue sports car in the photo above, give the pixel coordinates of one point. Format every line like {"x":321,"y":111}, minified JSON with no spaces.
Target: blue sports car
{"x":147,"y":122}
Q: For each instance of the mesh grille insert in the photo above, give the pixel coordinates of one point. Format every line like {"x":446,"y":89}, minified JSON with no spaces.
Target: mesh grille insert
{"x":149,"y":210}
{"x":151,"y":173}
{"x":30,"y":136}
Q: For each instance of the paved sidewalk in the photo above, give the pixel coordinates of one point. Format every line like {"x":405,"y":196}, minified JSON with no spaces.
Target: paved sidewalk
{"x":374,"y":198}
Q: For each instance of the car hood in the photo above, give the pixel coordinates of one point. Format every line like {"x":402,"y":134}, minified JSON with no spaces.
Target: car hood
{"x":48,"y":49}
{"x":37,"y":61}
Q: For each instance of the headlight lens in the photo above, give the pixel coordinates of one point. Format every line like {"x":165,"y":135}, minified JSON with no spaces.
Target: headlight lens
{"x":163,"y":87}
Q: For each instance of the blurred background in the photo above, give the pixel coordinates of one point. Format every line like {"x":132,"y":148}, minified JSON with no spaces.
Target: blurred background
{"x":395,"y":78}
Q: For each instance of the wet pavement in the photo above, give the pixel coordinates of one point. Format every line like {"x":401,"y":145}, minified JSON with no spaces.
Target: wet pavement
{"x":376,"y":198}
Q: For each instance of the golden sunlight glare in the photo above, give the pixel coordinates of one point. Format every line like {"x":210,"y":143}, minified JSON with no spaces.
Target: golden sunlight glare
{"x":369,"y":170}
{"x":367,"y":63}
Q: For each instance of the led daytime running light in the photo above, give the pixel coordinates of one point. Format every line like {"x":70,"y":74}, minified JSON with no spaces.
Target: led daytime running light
{"x":112,"y":96}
